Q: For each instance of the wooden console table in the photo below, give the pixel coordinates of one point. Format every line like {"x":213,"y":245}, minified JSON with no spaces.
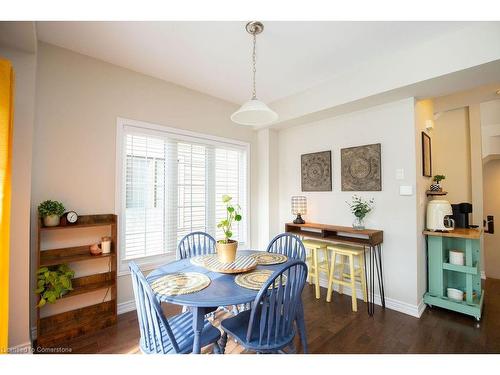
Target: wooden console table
{"x":368,"y":238}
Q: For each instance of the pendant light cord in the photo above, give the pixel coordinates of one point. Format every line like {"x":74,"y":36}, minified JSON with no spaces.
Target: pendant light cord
{"x":254,"y":58}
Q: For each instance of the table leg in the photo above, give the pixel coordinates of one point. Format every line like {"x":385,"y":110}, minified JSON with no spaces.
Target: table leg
{"x":374,"y":264}
{"x":301,"y":325}
{"x":198,"y":321}
{"x":378,"y":256}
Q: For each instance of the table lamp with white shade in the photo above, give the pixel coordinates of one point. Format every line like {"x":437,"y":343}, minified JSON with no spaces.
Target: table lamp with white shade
{"x":299,"y":207}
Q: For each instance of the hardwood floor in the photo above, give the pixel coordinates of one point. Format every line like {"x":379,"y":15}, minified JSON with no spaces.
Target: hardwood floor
{"x":334,"y":328}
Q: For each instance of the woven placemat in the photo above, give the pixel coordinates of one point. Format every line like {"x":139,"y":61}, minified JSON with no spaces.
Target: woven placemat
{"x":255,"y":279}
{"x":178,"y":283}
{"x":269,"y":258}
{"x":198,"y":260}
{"x":242,"y":263}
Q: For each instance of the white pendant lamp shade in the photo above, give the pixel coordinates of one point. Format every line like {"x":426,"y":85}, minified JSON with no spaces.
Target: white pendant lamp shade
{"x":254,"y":113}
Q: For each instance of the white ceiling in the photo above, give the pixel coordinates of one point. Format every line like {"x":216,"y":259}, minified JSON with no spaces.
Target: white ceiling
{"x":214,"y":57}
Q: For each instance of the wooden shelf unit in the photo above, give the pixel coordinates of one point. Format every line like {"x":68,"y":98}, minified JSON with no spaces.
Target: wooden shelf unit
{"x":56,"y":329}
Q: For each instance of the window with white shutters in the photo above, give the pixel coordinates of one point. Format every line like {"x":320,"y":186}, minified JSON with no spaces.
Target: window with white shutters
{"x":171,"y":184}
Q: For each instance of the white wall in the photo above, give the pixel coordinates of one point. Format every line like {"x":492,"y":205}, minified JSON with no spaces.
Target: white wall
{"x":451,"y":154}
{"x":267,"y":199}
{"x":24,"y":104}
{"x":78,"y":101}
{"x":423,"y":111}
{"x":392,"y":125}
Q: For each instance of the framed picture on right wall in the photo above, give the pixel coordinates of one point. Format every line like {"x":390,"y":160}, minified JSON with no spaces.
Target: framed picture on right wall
{"x":426,"y":155}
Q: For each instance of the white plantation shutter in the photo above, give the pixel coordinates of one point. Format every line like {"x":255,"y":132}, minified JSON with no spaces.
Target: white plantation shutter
{"x":173,"y":185}
{"x":230,"y":179}
{"x":145,"y":196}
{"x":192,"y":189}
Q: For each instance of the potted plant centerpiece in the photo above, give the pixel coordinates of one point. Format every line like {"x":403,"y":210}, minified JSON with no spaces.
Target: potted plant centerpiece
{"x":51,"y":211}
{"x":360,"y":208}
{"x":226,"y":248}
{"x":53,"y":282}
{"x":437,"y":179}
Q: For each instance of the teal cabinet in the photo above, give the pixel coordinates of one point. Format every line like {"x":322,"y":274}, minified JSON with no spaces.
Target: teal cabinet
{"x":443,"y":275}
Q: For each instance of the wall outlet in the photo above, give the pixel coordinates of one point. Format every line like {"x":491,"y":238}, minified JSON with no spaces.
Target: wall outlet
{"x":406,"y":190}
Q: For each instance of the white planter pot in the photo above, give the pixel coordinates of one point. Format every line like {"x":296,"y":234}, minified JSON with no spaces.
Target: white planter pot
{"x":51,"y":221}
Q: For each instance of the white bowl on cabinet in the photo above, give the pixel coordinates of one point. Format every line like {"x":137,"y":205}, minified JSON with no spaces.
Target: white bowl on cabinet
{"x":457,"y":257}
{"x":455,"y":294}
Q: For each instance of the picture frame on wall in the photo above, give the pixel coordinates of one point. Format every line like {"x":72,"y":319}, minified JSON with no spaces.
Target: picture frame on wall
{"x":316,"y":171}
{"x":426,"y":155}
{"x":361,"y":168}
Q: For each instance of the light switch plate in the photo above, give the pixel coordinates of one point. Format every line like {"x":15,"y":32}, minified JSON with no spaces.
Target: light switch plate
{"x":400,"y":174}
{"x":406,"y":190}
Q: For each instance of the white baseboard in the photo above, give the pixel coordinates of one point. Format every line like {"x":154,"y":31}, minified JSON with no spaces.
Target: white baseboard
{"x":126,"y":306}
{"x":400,"y":306}
{"x":24,"y":348}
{"x":421,"y":308}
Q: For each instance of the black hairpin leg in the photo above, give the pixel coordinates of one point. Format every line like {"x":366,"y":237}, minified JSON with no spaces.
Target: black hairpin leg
{"x":374,"y":264}
{"x":369,"y":283}
{"x":380,"y":274}
{"x":366,"y":281}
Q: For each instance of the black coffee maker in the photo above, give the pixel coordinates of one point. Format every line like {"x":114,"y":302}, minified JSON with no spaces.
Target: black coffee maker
{"x":461,"y":212}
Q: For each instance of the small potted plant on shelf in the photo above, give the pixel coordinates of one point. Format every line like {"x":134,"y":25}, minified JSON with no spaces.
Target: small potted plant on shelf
{"x":437,"y":179}
{"x":226,"y":248}
{"x":53,"y":282}
{"x":360,"y":208}
{"x":51,"y":211}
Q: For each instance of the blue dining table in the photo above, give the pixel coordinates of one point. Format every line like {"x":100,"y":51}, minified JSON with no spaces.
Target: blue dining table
{"x":222,"y":291}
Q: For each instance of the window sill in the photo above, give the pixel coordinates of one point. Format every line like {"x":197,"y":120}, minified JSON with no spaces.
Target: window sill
{"x":145,"y":264}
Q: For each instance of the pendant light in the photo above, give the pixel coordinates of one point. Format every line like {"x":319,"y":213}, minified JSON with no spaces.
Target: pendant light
{"x":254,"y":112}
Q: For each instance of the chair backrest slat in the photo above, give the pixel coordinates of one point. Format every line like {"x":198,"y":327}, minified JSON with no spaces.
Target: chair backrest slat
{"x":150,"y":315}
{"x":276,"y":304}
{"x":194,"y":244}
{"x":288,"y":244}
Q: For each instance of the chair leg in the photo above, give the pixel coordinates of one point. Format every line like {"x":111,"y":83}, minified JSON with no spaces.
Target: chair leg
{"x":316,"y":274}
{"x":330,"y":277}
{"x":216,"y":349}
{"x":361,"y":261}
{"x":222,"y":343}
{"x":353,"y":284}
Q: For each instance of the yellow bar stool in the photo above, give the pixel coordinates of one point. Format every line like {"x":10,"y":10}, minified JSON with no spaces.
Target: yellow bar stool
{"x":347,"y":255}
{"x":317,"y":262}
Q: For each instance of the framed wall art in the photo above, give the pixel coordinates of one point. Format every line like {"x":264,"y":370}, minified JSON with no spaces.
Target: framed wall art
{"x":426,"y":155}
{"x":361,"y":168}
{"x":316,"y":171}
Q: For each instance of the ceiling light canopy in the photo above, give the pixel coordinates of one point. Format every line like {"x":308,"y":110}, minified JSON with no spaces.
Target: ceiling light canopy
{"x":254,"y":112}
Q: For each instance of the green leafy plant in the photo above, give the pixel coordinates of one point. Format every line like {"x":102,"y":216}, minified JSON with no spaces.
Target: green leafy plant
{"x":360,"y":207}
{"x":233,"y":213}
{"x":438,"y":178}
{"x":47,"y":208}
{"x":53,"y":282}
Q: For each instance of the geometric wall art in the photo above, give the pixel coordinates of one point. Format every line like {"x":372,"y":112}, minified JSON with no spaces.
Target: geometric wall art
{"x":316,"y":171}
{"x":361,"y":168}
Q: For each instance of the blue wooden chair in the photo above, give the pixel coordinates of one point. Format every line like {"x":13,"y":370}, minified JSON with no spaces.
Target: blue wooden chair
{"x":159,"y":334}
{"x":288,"y":244}
{"x":194,"y":244}
{"x":269,"y":325}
